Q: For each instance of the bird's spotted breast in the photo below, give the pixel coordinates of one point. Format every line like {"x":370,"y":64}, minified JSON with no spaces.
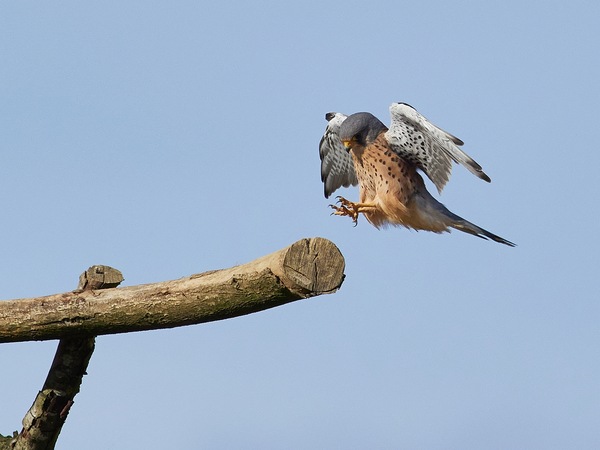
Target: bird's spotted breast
{"x":383,"y":176}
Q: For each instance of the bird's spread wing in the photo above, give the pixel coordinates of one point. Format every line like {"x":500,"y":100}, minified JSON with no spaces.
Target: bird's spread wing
{"x":430,"y":148}
{"x":337,"y":168}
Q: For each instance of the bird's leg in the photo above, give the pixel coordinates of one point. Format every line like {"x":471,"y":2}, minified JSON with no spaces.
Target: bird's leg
{"x":350,"y":209}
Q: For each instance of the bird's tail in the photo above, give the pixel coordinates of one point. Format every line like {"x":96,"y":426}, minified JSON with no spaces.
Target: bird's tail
{"x":468,"y":227}
{"x":435,"y":209}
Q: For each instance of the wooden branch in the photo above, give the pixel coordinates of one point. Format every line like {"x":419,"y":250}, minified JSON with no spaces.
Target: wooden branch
{"x":307,"y":268}
{"x":44,"y":420}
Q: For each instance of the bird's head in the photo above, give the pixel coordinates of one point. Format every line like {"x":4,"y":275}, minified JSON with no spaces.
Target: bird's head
{"x":360,"y":129}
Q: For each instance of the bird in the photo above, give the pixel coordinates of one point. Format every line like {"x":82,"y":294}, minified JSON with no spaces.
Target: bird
{"x":386,"y":163}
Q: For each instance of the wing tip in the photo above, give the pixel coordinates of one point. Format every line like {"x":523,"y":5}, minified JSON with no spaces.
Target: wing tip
{"x":406,"y":104}
{"x":456,"y":140}
{"x":475,"y":169}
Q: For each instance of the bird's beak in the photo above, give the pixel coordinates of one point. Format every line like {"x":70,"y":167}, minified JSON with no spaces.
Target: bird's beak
{"x":347,"y":144}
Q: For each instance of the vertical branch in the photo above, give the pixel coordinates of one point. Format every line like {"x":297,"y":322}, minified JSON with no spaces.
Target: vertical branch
{"x":44,"y":420}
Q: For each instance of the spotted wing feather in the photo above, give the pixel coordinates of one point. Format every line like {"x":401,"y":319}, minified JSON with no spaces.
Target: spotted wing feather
{"x":427,"y":146}
{"x":337,"y":168}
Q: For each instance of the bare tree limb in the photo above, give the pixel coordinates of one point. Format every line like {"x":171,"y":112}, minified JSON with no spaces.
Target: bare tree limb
{"x":44,"y":420}
{"x":307,"y":268}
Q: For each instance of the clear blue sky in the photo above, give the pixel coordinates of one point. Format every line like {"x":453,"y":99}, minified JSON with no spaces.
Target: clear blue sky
{"x":170,"y":138}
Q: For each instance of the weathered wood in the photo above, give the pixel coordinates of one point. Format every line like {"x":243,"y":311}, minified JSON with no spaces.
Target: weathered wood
{"x":307,"y":268}
{"x":6,"y":442}
{"x":99,"y":277}
{"x":44,"y":420}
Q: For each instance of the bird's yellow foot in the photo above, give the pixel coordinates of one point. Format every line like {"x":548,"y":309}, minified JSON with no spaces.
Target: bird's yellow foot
{"x":346,"y":208}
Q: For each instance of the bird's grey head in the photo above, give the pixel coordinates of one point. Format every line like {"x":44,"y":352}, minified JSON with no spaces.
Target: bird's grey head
{"x":360,"y":129}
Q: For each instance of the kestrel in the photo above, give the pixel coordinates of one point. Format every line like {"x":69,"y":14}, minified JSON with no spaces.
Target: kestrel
{"x":360,"y":149}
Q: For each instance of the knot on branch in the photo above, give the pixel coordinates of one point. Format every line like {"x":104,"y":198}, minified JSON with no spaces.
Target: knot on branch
{"x":99,"y":277}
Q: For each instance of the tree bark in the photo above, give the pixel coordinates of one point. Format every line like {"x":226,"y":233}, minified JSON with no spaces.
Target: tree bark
{"x":307,"y":268}
{"x":44,"y":420}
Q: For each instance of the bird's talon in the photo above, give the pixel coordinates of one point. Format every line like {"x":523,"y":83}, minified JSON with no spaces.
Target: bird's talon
{"x":344,"y":202}
{"x":345,"y":208}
